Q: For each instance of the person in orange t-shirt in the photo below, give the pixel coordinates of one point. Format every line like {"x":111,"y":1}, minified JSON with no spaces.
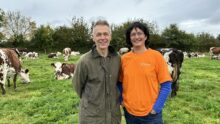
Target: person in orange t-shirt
{"x":145,"y":79}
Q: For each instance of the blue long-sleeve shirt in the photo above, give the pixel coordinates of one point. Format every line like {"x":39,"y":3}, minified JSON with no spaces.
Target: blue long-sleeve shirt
{"x":119,"y":85}
{"x":165,"y":90}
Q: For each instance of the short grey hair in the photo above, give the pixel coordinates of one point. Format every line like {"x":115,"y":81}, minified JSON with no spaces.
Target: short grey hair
{"x":101,"y":22}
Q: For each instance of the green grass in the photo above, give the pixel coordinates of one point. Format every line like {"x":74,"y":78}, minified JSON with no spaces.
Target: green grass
{"x":46,"y":100}
{"x":198,"y":100}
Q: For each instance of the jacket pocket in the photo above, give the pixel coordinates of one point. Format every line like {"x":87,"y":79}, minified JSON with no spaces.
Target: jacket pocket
{"x":89,"y":109}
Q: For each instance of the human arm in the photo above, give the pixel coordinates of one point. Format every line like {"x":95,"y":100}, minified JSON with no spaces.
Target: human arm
{"x":165,"y":90}
{"x":79,"y":78}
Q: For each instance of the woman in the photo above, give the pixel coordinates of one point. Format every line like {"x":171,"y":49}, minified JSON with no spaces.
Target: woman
{"x":146,"y":81}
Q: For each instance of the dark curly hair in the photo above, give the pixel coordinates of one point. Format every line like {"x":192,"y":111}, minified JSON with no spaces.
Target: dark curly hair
{"x":142,"y":27}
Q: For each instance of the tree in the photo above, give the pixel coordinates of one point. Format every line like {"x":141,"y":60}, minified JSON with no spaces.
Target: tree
{"x":62,"y":37}
{"x":18,"y":27}
{"x":218,"y":37}
{"x":2,"y":14}
{"x":205,"y":41}
{"x":118,"y":35}
{"x":80,"y":35}
{"x":42,"y":39}
{"x":176,"y":38}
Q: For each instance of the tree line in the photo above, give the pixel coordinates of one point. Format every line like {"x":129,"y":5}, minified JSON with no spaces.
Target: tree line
{"x":19,"y":31}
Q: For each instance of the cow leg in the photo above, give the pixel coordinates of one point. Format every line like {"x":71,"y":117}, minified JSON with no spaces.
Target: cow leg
{"x":175,"y":88}
{"x":14,"y":80}
{"x":8,"y":82}
{"x":173,"y":93}
{"x":3,"y":88}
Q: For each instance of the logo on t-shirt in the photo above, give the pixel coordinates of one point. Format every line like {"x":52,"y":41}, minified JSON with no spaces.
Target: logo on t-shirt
{"x":143,"y":64}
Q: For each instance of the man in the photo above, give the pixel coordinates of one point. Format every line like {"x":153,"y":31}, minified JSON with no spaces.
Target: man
{"x":95,"y":80}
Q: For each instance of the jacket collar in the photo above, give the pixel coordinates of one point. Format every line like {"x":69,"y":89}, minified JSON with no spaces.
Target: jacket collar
{"x":111,"y":52}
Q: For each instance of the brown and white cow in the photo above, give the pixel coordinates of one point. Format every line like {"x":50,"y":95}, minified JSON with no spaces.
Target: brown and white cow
{"x":10,"y":67}
{"x":63,"y":70}
{"x":66,"y":53}
{"x":215,"y":52}
{"x":174,"y":59}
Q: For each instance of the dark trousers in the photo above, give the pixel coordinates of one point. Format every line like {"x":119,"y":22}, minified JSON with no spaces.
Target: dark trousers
{"x":148,"y":119}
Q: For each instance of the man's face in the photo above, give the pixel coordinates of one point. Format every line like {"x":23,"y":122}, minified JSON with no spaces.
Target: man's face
{"x":101,"y":36}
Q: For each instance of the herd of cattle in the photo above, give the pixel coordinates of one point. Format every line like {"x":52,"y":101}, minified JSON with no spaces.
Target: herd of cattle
{"x":10,"y":64}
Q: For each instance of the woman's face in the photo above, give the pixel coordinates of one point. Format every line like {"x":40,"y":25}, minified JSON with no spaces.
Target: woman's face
{"x":137,"y":37}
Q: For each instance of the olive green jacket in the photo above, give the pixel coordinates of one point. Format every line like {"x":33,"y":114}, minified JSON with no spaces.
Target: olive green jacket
{"x":95,"y":79}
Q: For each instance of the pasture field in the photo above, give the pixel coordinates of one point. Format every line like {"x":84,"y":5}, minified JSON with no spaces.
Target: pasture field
{"x":49,"y":101}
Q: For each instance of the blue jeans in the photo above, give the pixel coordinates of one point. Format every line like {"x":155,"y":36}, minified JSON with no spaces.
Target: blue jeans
{"x":148,"y":119}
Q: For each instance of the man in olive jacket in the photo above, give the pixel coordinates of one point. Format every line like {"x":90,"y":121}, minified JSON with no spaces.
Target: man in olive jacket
{"x":95,"y":80}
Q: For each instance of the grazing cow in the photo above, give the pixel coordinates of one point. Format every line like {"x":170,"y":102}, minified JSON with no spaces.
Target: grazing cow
{"x":52,"y":55}
{"x":200,"y":55}
{"x":23,"y":51}
{"x":123,"y":50}
{"x":10,"y":66}
{"x":174,"y":59}
{"x":215,"y":52}
{"x":66,"y":53}
{"x":75,"y":53}
{"x":63,"y":70}
{"x":31,"y":55}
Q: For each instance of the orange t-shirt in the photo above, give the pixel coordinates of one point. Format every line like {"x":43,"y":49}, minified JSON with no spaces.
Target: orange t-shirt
{"x":141,"y":76}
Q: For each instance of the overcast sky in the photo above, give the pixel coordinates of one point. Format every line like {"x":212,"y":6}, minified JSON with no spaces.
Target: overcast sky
{"x":190,"y":15}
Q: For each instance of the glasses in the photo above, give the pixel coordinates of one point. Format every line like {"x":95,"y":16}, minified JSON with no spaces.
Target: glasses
{"x":137,"y":33}
{"x":100,"y":34}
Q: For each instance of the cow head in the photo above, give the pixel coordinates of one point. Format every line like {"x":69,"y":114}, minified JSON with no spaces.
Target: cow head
{"x":24,"y":73}
{"x":58,"y":70}
{"x":62,"y":70}
{"x":57,"y":66}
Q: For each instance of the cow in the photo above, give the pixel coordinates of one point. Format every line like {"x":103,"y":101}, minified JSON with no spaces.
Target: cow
{"x":63,"y":70}
{"x":75,"y":53}
{"x":31,"y":55}
{"x":59,"y":53}
{"x":215,"y":52}
{"x":23,"y":51}
{"x":174,"y":59}
{"x":10,"y":67}
{"x":66,"y":53}
{"x":200,"y":55}
{"x":52,"y":55}
{"x":123,"y":50}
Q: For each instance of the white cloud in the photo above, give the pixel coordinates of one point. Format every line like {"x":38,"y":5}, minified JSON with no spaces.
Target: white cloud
{"x":192,"y":16}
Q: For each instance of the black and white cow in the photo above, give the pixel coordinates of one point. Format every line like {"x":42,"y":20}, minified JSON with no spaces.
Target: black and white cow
{"x":52,"y":55}
{"x":63,"y":70}
{"x":10,"y":67}
{"x":174,"y":59}
{"x":66,"y":53}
